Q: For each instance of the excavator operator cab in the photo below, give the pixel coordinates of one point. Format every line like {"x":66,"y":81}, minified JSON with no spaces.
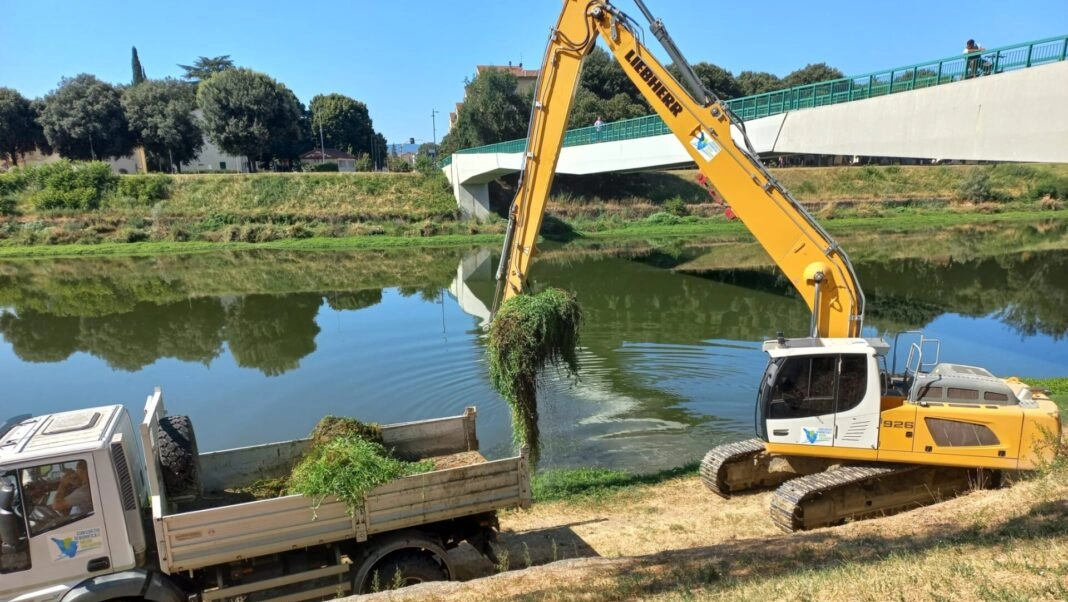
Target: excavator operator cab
{"x":810,"y":384}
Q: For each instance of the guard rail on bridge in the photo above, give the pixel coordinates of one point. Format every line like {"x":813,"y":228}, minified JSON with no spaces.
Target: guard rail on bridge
{"x":880,"y":83}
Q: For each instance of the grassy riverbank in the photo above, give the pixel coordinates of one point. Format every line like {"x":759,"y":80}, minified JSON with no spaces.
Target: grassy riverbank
{"x":88,"y":211}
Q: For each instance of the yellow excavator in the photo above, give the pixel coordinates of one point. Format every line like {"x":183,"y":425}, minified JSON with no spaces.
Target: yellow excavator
{"x":842,"y":435}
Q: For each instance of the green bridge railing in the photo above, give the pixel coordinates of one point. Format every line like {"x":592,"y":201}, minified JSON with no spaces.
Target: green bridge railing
{"x":847,"y":89}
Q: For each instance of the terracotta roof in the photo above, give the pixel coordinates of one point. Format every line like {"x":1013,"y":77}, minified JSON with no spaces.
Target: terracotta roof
{"x":331,"y":153}
{"x":516,"y":71}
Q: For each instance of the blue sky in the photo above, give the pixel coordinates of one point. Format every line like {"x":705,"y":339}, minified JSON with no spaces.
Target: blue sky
{"x":407,"y":58}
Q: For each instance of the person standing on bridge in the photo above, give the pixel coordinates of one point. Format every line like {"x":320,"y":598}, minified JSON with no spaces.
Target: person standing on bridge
{"x":598,"y":125}
{"x":972,"y":50}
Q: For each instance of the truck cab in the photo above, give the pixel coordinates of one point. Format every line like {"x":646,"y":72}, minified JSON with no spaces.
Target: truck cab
{"x":71,"y":497}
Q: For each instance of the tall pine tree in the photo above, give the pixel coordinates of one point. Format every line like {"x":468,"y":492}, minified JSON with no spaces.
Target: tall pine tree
{"x":138,"y":70}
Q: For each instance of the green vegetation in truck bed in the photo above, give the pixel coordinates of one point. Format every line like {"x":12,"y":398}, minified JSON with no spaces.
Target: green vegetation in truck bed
{"x":348,"y":467}
{"x":346,"y":460}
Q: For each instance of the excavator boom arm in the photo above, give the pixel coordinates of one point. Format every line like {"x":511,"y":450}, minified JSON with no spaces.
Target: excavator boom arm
{"x":803,"y":250}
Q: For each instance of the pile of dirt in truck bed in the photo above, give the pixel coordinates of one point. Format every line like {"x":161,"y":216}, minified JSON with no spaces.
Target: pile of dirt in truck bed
{"x":528,"y":333}
{"x":457,"y":460}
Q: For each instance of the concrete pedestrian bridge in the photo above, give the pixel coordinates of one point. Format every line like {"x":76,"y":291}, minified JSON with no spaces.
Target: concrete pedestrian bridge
{"x":1012,"y":109}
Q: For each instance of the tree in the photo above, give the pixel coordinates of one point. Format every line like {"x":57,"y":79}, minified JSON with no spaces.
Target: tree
{"x":19,"y":131}
{"x":245,"y":111}
{"x":604,"y":77}
{"x":290,"y":146}
{"x":587,"y":108}
{"x":716,"y":79}
{"x":160,"y":114}
{"x":811,"y":74}
{"x":346,"y":123}
{"x":493,"y":111}
{"x":758,"y":82}
{"x":379,"y":152}
{"x":605,"y":92}
{"x":138,"y":70}
{"x":83,"y":119}
{"x":204,"y":67}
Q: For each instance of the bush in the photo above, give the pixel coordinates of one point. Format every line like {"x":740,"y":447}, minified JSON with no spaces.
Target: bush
{"x":399,"y":164}
{"x":676,"y":207}
{"x":425,"y":165}
{"x":67,"y":185}
{"x":145,"y":189}
{"x":364,"y":163}
{"x":317,"y":167}
{"x":1048,"y":186}
{"x":976,"y":186}
{"x":13,"y":182}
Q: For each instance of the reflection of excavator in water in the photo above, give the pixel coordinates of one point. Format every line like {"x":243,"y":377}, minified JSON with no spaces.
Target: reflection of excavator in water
{"x":841,"y":435}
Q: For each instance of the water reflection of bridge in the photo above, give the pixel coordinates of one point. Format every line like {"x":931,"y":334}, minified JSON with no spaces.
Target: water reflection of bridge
{"x":475,"y":265}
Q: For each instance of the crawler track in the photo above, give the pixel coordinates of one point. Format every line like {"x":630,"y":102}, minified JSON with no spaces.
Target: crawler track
{"x":731,"y":459}
{"x":856,"y":492}
{"x":744,"y":465}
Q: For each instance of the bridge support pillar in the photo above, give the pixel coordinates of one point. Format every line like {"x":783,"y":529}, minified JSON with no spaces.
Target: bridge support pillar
{"x":473,"y":199}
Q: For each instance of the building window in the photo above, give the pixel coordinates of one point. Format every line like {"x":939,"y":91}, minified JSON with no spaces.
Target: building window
{"x":222,"y":164}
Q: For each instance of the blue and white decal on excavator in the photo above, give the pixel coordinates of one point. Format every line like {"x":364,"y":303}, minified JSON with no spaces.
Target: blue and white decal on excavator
{"x":705,"y":145}
{"x":820,"y":434}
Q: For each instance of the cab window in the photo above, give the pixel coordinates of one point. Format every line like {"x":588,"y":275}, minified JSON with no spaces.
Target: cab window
{"x":818,"y":385}
{"x":14,"y":545}
{"x":56,"y":494}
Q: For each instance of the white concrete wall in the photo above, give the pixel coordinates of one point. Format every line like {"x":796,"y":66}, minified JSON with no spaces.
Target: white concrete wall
{"x":1015,"y":116}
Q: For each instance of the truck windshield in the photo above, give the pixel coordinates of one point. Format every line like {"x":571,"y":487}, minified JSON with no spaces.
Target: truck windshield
{"x":14,"y":546}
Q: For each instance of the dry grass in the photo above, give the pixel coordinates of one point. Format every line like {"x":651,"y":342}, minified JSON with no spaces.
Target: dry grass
{"x":676,"y":541}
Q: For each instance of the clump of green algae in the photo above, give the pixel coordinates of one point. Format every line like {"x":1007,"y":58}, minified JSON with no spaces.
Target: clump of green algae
{"x":528,"y":333}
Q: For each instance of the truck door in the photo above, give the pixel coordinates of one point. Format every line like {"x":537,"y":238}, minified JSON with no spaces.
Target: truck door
{"x":64,"y":521}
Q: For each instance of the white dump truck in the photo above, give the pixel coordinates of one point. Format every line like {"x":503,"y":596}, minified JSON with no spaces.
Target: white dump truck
{"x":93,"y":509}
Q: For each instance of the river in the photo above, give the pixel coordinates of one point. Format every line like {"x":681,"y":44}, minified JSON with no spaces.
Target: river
{"x":257,"y":346}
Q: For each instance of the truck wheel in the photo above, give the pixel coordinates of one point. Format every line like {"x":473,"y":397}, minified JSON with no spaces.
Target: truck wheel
{"x":179,"y":458}
{"x":413,"y":567}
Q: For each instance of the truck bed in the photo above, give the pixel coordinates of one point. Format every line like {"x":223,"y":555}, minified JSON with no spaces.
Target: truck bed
{"x":211,"y":536}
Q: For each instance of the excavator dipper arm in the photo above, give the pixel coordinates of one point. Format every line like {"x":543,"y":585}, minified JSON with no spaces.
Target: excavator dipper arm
{"x":803,"y":250}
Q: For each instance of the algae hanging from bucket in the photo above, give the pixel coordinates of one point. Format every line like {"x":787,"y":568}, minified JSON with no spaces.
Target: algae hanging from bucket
{"x":528,"y":333}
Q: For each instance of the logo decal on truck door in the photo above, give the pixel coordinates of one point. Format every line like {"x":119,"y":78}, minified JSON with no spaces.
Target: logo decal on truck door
{"x":69,"y":545}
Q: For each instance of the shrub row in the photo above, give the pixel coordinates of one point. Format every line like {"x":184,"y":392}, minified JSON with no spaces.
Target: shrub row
{"x":65,"y":185}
